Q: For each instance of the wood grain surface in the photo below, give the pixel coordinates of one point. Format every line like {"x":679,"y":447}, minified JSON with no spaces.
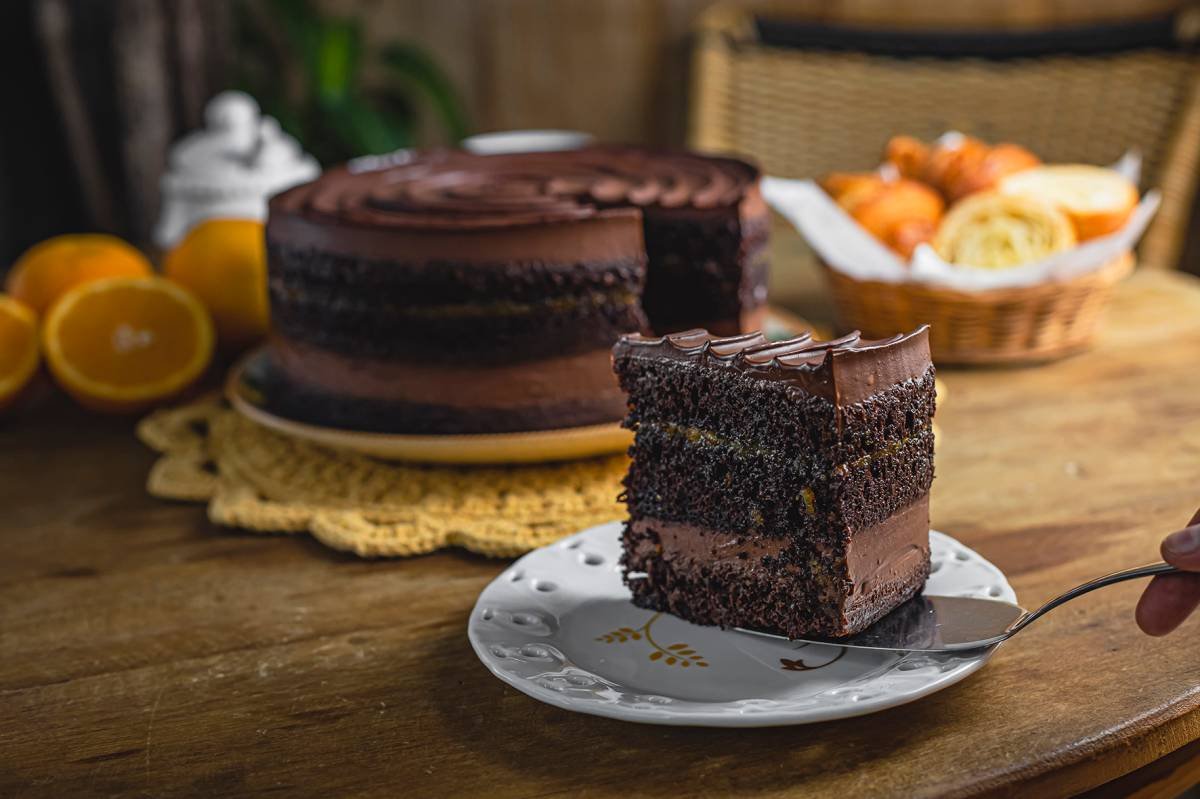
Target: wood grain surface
{"x":146,"y":652}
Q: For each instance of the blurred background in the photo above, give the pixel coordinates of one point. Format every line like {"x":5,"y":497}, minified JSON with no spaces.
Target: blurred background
{"x":99,"y":89}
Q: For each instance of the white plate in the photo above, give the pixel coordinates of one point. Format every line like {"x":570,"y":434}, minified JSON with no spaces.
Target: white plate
{"x":559,"y":626}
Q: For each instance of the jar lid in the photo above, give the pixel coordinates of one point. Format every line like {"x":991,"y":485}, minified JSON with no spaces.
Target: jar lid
{"x":229,"y":168}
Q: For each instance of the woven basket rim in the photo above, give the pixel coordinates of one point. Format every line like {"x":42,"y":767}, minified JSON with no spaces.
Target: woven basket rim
{"x":1109,"y":273}
{"x":734,"y":21}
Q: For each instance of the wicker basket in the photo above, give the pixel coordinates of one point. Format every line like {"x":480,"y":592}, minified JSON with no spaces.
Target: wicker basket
{"x":804,"y":111}
{"x":998,"y":326}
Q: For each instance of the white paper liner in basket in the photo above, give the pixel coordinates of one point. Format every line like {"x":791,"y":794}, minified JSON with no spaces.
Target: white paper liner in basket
{"x":848,"y":248}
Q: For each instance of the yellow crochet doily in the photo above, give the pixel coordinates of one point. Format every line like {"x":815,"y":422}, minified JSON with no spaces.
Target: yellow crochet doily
{"x":261,"y":481}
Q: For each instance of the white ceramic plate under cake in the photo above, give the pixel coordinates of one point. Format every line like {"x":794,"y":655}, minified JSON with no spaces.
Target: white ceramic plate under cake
{"x":559,"y":626}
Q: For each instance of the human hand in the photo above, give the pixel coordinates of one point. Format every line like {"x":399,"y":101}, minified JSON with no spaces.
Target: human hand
{"x":1171,"y":598}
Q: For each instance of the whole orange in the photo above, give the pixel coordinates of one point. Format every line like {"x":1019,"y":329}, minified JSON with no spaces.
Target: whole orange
{"x":18,"y":349}
{"x":48,"y":270}
{"x":224,"y":263}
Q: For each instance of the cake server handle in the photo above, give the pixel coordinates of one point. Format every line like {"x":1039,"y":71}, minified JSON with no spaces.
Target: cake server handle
{"x":1149,"y":570}
{"x":1136,"y":573}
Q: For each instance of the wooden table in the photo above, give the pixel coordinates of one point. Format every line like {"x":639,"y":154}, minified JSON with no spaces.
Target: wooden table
{"x":148,"y":652}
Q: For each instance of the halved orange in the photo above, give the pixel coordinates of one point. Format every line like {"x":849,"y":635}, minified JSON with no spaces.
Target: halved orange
{"x":50,"y":269}
{"x":124,"y":343}
{"x":18,"y":348}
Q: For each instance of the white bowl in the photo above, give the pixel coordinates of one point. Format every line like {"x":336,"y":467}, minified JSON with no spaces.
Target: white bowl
{"x":526,"y":141}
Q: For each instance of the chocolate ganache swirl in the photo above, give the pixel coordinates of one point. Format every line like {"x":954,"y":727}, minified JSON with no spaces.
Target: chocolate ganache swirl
{"x":440,"y":189}
{"x":844,"y":370}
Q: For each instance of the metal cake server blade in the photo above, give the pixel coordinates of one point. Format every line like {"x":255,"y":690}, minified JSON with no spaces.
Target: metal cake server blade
{"x":958,"y":624}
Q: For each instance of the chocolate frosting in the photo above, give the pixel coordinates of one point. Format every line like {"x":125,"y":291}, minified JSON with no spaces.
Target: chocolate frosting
{"x":844,"y":370}
{"x":450,"y":189}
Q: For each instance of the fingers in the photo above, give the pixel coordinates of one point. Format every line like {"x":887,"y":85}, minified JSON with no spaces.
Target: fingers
{"x":1182,"y":549}
{"x":1167,"y":601}
{"x":1171,"y":598}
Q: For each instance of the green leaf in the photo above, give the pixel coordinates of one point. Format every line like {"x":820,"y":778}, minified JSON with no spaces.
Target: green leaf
{"x":416,"y":69}
{"x":306,"y":69}
{"x":364,"y":130}
{"x":339,"y":47}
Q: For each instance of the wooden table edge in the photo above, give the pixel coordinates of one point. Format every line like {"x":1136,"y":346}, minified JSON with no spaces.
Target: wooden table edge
{"x":1103,"y":759}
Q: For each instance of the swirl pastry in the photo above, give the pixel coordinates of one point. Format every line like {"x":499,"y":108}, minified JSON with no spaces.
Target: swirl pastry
{"x":1098,"y":201}
{"x":997,"y":231}
{"x":957,"y":166}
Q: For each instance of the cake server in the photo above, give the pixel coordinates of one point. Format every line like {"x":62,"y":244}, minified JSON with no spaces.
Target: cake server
{"x":956,"y":623}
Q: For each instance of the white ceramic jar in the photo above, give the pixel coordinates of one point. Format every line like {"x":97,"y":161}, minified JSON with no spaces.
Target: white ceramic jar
{"x":229,"y":169}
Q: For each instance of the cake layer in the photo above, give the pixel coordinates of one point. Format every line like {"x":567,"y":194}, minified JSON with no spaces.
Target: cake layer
{"x":833,"y":409}
{"x":422,"y":398}
{"x":735,"y":485}
{"x":390,"y":311}
{"x":843,"y":371}
{"x":790,"y":587}
{"x":452,"y":384}
{"x":796,"y":425}
{"x":414,"y":283}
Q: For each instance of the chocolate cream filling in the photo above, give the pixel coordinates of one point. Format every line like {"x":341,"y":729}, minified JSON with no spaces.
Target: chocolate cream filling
{"x":883,"y":555}
{"x":585,"y":375}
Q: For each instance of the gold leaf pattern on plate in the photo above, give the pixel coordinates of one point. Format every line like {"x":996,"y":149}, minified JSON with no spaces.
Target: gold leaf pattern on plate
{"x":675,"y":654}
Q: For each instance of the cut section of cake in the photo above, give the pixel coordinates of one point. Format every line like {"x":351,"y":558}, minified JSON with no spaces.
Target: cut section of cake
{"x":781,"y":487}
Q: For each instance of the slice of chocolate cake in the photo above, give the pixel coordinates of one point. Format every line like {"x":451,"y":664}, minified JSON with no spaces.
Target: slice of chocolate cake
{"x":782,"y":486}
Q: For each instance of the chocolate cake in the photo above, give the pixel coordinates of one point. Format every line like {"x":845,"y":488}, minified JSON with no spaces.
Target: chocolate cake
{"x":782,"y":486}
{"x":446,"y":292}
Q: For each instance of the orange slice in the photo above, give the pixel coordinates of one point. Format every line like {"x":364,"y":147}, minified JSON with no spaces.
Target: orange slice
{"x":124,"y":343}
{"x":18,"y":349}
{"x":48,"y":270}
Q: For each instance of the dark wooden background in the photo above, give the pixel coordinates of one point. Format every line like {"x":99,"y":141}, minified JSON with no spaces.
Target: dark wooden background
{"x":94,"y":92}
{"x":140,"y":70}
